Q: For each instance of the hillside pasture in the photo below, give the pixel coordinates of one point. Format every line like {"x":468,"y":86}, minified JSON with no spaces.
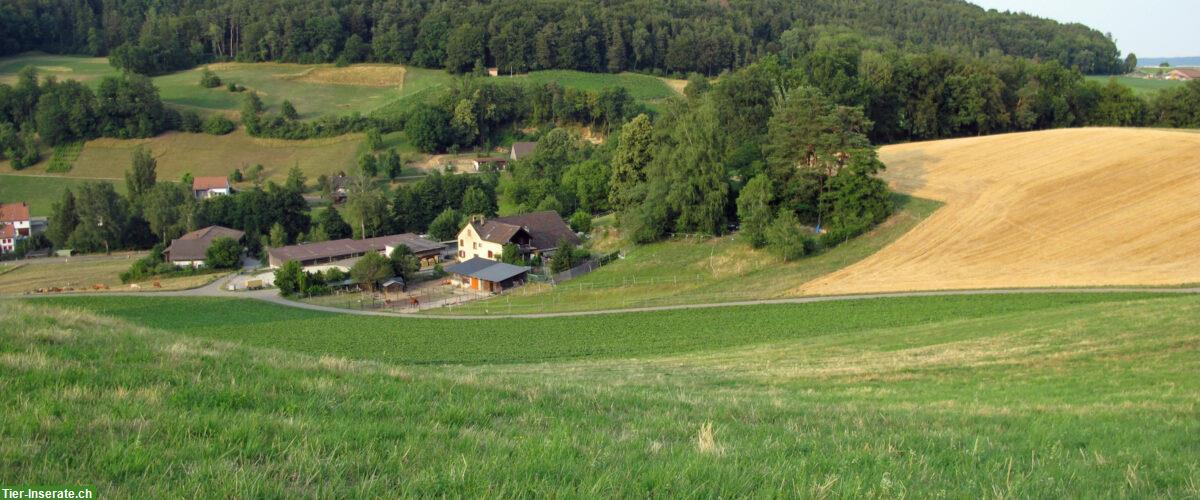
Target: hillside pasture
{"x":315,"y":90}
{"x":1058,"y":208}
{"x":41,"y":191}
{"x":63,"y":67}
{"x":1141,"y":86}
{"x":203,"y":154}
{"x":1035,"y":396}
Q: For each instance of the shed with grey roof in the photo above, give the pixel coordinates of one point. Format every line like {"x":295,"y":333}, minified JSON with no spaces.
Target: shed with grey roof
{"x":487,"y":275}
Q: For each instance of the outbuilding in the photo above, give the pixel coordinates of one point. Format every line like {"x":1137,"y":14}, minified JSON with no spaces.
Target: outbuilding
{"x":484,"y":275}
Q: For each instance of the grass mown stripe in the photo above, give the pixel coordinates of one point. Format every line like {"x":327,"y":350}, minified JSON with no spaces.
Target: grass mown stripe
{"x":422,"y":340}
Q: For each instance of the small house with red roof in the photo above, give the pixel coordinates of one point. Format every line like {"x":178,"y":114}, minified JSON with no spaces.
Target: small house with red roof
{"x":15,"y":224}
{"x":207,"y":187}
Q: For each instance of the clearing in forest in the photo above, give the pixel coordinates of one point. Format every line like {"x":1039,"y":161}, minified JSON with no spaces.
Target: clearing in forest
{"x":1072,"y":207}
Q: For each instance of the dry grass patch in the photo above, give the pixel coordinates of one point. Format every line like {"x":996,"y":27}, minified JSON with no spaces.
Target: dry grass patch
{"x":364,"y":75}
{"x":84,"y":274}
{"x":1074,"y":207}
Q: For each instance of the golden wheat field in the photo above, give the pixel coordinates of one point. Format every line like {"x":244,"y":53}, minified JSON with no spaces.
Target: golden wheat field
{"x":1073,"y":207}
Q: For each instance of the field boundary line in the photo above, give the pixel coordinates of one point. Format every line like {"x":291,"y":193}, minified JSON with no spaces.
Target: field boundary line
{"x":213,"y":290}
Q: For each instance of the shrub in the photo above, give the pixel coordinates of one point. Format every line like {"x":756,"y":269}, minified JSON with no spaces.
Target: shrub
{"x":288,"y":278}
{"x":219,"y":125}
{"x":581,"y":222}
{"x":189,"y":121}
{"x":223,"y":253}
{"x":566,"y":257}
{"x":210,"y":80}
{"x":786,"y":238}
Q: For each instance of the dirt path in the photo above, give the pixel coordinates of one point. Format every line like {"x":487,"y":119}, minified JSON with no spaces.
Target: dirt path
{"x":214,"y":289}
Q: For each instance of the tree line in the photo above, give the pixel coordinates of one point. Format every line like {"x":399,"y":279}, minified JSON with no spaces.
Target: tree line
{"x":521,"y":35}
{"x":51,"y":112}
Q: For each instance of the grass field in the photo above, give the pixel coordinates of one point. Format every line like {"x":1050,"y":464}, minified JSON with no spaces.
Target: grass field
{"x":84,"y":272}
{"x":315,"y":90}
{"x":203,"y":154}
{"x":84,"y":69}
{"x":1016,"y":396}
{"x":318,"y":89}
{"x":40,"y":191}
{"x":1074,"y":207}
{"x":1140,"y":86}
{"x":721,"y":269}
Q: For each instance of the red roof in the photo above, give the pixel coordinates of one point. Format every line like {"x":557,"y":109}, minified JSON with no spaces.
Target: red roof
{"x":206,"y":183}
{"x":7,"y":231}
{"x":10,"y":212}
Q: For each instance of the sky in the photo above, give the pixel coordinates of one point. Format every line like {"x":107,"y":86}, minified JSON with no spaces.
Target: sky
{"x":1148,"y":28}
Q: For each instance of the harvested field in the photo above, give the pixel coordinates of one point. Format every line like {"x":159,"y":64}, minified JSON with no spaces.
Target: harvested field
{"x":92,"y":273}
{"x":1076,"y":207}
{"x":362,"y":75}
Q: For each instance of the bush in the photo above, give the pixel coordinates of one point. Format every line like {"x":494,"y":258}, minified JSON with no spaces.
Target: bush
{"x":189,"y":121}
{"x":567,"y":257}
{"x":209,"y":80}
{"x":786,"y":238}
{"x":581,"y":222}
{"x":223,"y":253}
{"x":219,"y":125}
{"x":288,"y":278}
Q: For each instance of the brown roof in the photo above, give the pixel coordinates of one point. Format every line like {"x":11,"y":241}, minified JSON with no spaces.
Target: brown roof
{"x":11,"y":212}
{"x":348,"y":247}
{"x":522,"y":149}
{"x":1188,"y":72}
{"x":206,"y":183}
{"x":213,"y":232}
{"x":546,"y":229}
{"x":7,"y":231}
{"x":193,"y":245}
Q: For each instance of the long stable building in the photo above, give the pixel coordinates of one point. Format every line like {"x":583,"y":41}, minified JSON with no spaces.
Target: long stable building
{"x":324,"y":252}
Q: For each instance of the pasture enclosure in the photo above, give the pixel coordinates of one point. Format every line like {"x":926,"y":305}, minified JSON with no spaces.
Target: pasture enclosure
{"x":1057,"y":208}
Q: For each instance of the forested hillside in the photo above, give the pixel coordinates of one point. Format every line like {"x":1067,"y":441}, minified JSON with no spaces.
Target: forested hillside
{"x":520,"y":35}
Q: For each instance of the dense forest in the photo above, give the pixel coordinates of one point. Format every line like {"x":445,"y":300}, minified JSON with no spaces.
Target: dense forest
{"x":656,"y":36}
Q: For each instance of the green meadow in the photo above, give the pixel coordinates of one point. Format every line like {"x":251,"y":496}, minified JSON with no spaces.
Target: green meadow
{"x":1041,"y":395}
{"x":42,"y":191}
{"x":316,"y":89}
{"x":1140,"y":86}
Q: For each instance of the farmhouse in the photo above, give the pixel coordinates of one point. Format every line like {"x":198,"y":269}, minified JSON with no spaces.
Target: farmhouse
{"x":538,"y":233}
{"x":15,"y":224}
{"x":207,"y":187}
{"x":486,"y":163}
{"x":487,"y":276}
{"x":188,"y":250}
{"x":521,"y":150}
{"x":1184,"y":74}
{"x":344,"y":250}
